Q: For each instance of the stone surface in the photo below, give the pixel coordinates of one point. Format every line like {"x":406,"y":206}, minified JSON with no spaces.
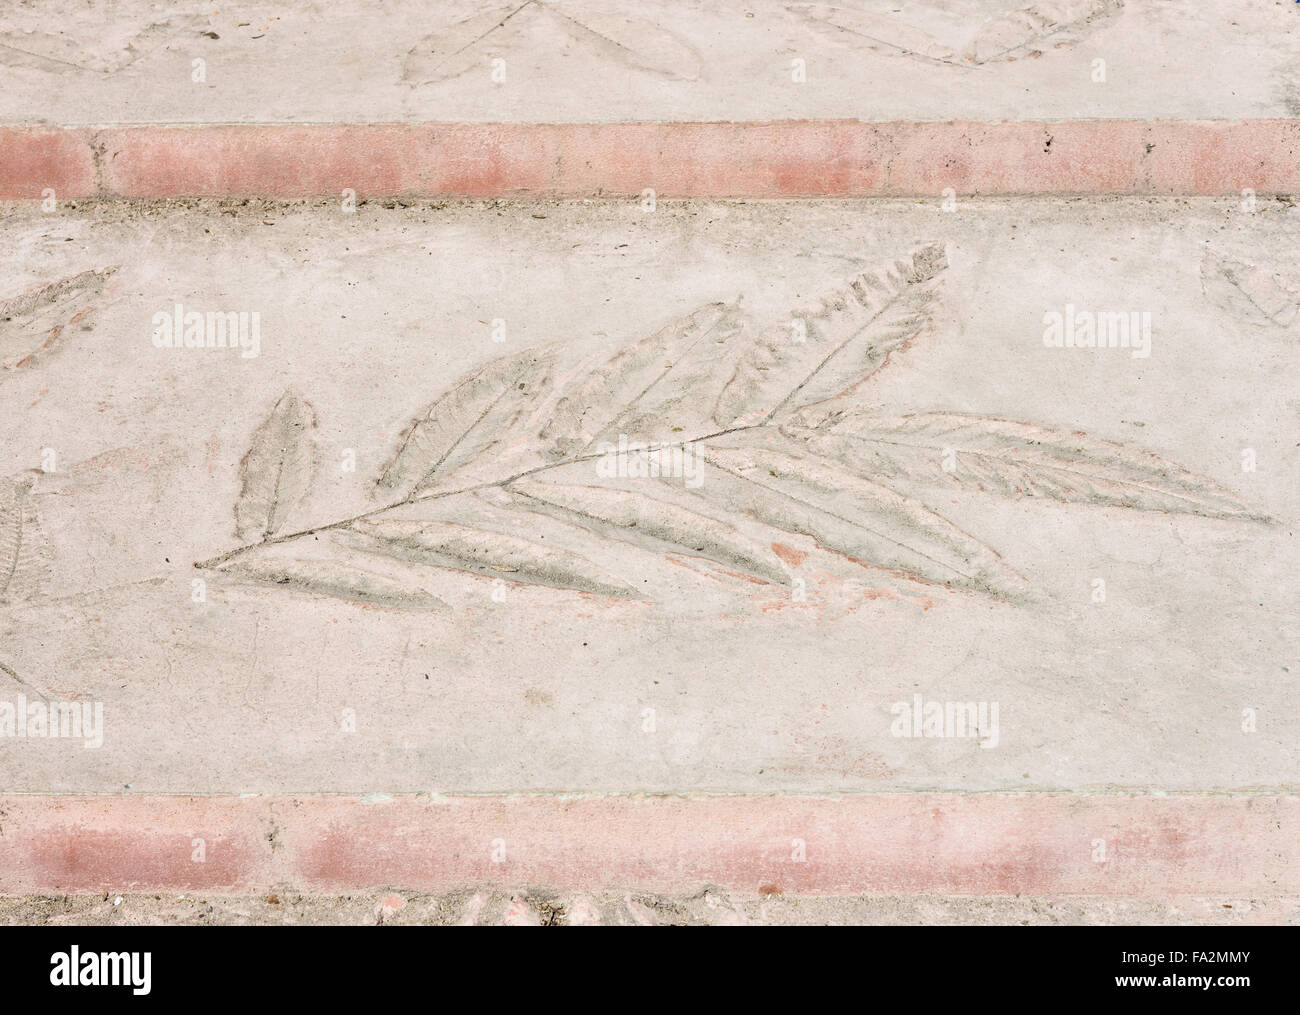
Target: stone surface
{"x":698,"y":679}
{"x":814,"y":158}
{"x":931,"y":610}
{"x":562,"y":910}
{"x":1151,"y":846}
{"x":598,"y":61}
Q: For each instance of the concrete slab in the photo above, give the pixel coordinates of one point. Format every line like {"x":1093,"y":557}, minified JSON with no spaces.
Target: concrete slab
{"x":132,"y":61}
{"x":1126,"y":622}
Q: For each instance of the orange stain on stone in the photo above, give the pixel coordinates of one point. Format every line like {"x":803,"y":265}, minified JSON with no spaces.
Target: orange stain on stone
{"x":789,"y":554}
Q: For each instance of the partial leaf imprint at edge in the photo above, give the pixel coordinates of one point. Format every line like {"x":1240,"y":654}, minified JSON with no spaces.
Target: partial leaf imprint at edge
{"x":59,"y":54}
{"x":24,"y":549}
{"x":1009,"y":37}
{"x":33,"y":322}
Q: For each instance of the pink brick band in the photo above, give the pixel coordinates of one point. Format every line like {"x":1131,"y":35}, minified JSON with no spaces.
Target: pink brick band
{"x":800,"y":158}
{"x":1116,"y":845}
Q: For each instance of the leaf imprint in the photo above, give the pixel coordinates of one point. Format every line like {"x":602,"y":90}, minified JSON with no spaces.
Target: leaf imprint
{"x":32,"y":322}
{"x":468,"y":420}
{"x":334,"y":578}
{"x":632,"y":511}
{"x":732,"y":442}
{"x":495,"y":554}
{"x":24,"y":551}
{"x":277,"y":471}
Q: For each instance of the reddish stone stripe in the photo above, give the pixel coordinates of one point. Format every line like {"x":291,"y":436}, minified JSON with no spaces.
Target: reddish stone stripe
{"x":798,"y":158}
{"x":901,"y":843}
{"x":34,"y":160}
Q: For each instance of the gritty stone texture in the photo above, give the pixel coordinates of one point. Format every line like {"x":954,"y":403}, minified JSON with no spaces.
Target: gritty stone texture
{"x":709,"y":907}
{"x":598,"y":60}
